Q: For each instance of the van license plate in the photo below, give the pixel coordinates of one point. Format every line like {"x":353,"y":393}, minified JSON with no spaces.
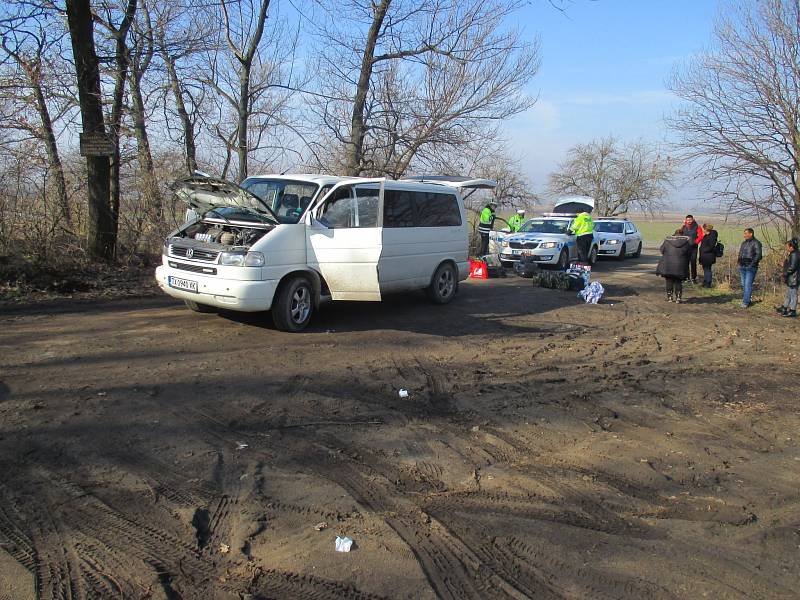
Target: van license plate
{"x":183,"y":284}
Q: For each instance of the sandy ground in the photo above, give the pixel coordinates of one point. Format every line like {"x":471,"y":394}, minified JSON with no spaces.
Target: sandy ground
{"x":548,"y":449}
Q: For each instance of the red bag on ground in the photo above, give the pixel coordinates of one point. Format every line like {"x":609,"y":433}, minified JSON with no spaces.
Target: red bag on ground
{"x":478,"y":269}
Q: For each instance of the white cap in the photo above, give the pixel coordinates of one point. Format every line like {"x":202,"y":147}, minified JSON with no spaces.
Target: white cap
{"x":520,"y":211}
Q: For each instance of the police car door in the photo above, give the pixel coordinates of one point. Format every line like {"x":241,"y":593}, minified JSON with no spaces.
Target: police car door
{"x":343,"y":239}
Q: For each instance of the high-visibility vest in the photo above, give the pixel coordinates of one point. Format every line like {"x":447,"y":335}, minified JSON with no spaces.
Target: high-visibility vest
{"x":582,"y":224}
{"x":487,"y":220}
{"x":515,"y":222}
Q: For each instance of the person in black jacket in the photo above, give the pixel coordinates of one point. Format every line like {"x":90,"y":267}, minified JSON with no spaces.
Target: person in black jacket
{"x":708,"y":252}
{"x":674,"y":264}
{"x":749,"y":256}
{"x":791,"y":277}
{"x":694,"y":232}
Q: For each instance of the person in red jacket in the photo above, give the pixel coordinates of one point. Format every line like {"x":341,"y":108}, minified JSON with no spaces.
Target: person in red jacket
{"x":694,"y":232}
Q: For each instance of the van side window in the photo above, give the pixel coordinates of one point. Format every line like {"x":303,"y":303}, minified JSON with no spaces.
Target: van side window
{"x":344,"y":211}
{"x":437,"y":210}
{"x":367,"y":200}
{"x":398,"y":208}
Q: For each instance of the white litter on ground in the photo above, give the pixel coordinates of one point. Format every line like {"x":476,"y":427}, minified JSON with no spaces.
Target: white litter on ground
{"x":343,"y":544}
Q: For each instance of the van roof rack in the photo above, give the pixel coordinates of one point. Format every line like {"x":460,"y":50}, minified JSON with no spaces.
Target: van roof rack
{"x":610,"y":219}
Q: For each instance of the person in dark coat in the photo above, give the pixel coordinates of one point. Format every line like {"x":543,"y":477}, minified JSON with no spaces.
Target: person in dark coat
{"x":708,"y":253}
{"x":791,"y":277}
{"x":694,"y":232}
{"x":750,"y":254}
{"x":674,"y":264}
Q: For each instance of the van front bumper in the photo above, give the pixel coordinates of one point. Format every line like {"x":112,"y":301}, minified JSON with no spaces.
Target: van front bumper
{"x":232,"y":294}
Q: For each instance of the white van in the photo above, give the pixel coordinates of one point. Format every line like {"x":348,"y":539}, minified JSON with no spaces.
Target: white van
{"x":286,"y":242}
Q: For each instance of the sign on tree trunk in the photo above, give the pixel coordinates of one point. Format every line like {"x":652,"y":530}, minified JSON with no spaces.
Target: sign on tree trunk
{"x":96,"y":144}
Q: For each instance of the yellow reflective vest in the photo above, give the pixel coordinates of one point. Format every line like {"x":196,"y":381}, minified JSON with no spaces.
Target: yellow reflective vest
{"x":582,"y":224}
{"x":515,"y":222}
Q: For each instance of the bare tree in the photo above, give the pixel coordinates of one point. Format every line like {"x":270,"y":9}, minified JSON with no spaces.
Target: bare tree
{"x":740,"y":121}
{"x":101,"y":225}
{"x":489,"y":160}
{"x":400,"y":80}
{"x":141,"y":54}
{"x":121,"y":52}
{"x":619,"y":177}
{"x":29,"y":44}
{"x":181,"y":35}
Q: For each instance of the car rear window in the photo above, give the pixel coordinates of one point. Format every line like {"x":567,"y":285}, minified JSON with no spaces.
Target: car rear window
{"x":608,"y":227}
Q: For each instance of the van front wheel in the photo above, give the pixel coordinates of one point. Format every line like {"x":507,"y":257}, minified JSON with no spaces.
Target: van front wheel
{"x":294,"y":303}
{"x":444,"y":284}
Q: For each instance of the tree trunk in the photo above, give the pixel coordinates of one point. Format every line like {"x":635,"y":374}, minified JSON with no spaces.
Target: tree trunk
{"x":183,"y":115}
{"x":122,"y":59}
{"x":101,"y":229}
{"x":151,"y":192}
{"x":244,"y":113}
{"x":49,"y":139}
{"x":355,"y":150}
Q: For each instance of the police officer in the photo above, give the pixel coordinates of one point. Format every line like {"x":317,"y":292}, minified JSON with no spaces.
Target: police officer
{"x":582,"y":226}
{"x":516,"y":220}
{"x":486,"y":225}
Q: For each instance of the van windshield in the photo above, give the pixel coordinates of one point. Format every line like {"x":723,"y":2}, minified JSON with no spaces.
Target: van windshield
{"x":287,"y":199}
{"x":544,"y":226}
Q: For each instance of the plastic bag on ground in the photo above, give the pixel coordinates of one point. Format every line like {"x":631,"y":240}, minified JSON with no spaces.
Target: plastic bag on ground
{"x":593,"y":293}
{"x":343,"y":544}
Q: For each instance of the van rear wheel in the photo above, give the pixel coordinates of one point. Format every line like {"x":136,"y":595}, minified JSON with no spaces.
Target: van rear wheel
{"x":197,"y":307}
{"x":294,"y":303}
{"x":444,"y":284}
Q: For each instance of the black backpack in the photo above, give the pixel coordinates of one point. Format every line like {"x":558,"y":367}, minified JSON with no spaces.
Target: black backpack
{"x":719,"y":249}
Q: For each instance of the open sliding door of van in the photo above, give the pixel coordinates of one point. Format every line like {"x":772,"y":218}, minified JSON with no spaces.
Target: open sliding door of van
{"x":343,"y":239}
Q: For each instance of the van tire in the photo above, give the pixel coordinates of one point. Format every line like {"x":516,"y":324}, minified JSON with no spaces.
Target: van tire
{"x":293,"y":305}
{"x":638,"y":252}
{"x":444,"y":284}
{"x":197,"y":307}
{"x":623,"y":252}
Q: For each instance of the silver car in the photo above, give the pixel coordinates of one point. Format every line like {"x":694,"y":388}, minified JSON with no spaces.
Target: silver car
{"x":617,"y":237}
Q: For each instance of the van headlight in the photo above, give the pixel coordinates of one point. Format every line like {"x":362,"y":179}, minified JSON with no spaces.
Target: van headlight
{"x":504,"y":244}
{"x":612,"y":242}
{"x":242,"y":259}
{"x":547,"y":245}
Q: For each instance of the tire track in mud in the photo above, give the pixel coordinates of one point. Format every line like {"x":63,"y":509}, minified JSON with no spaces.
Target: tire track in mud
{"x":280,"y":584}
{"x":570,"y":580}
{"x":452,"y":569}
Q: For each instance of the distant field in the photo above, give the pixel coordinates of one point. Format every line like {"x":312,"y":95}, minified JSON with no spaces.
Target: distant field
{"x":654,"y":232}
{"x":655,"y":229}
{"x":730,"y":234}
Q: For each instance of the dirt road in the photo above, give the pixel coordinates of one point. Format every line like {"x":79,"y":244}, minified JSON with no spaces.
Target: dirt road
{"x":548,"y":449}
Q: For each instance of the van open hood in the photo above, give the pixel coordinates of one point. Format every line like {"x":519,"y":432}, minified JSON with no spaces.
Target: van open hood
{"x":205,"y":193}
{"x":573,"y":205}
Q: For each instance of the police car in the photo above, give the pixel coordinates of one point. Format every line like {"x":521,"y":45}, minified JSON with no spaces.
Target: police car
{"x":617,"y":237}
{"x":546,"y":239}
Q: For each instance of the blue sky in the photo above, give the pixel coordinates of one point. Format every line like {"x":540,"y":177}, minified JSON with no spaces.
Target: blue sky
{"x":604,"y":68}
